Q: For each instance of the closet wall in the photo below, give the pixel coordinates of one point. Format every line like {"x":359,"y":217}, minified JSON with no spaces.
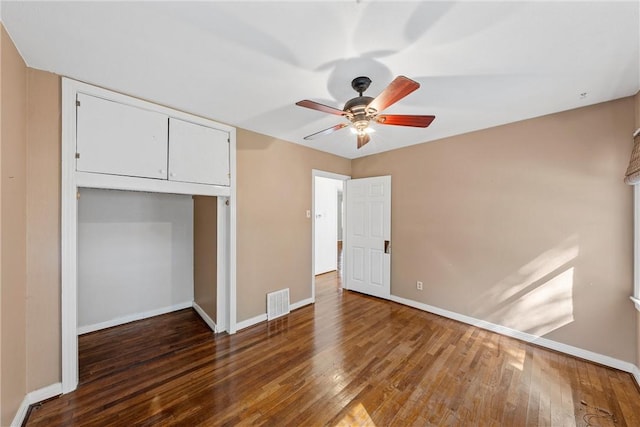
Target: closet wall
{"x":135,"y":256}
{"x":205,"y":259}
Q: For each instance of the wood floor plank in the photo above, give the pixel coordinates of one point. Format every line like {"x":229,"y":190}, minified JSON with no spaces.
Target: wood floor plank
{"x":349,"y":359}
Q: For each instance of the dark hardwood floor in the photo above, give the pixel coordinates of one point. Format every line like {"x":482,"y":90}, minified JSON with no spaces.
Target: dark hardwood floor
{"x":347,"y":360}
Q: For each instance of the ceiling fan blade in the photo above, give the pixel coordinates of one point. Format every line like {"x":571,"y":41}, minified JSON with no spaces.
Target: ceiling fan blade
{"x":405,"y":120}
{"x":320,"y":107}
{"x":327,"y":131}
{"x":400,"y":87}
{"x":363,"y":139}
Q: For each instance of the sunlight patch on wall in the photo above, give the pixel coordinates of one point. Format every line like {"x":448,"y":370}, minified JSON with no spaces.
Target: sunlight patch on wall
{"x":538,"y":298}
{"x":543,"y":309}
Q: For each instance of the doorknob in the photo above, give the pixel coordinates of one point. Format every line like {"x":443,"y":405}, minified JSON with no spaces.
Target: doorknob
{"x":387,"y":246}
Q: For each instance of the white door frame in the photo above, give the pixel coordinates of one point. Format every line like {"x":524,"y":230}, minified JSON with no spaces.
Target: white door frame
{"x":72,"y":181}
{"x":319,"y":173}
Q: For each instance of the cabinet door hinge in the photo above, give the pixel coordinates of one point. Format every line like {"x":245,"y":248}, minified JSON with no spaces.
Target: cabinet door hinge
{"x":77,"y":155}
{"x":77,"y":103}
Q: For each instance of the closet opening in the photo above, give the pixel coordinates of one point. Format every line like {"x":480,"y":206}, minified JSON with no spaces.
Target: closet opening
{"x":135,"y":241}
{"x":143,"y":254}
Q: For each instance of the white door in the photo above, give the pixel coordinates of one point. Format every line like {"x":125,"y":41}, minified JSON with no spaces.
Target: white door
{"x":198,"y":153}
{"x":368,"y":236}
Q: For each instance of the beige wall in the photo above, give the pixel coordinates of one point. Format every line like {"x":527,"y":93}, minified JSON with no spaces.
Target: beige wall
{"x":527,"y":225}
{"x":273,"y":232}
{"x":43,"y":230}
{"x":205,"y":253}
{"x":13,"y":228}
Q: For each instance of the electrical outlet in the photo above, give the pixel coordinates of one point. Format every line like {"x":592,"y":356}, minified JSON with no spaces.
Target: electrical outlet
{"x":419,"y":285}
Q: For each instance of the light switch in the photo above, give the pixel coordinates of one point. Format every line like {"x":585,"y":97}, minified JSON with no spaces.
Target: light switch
{"x":308,"y":214}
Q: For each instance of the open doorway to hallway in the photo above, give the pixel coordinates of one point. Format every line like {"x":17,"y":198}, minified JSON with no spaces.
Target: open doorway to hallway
{"x":329,"y":220}
{"x":328,"y":225}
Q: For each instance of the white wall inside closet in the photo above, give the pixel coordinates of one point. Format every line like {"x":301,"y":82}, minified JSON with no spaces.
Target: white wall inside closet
{"x":135,"y":256}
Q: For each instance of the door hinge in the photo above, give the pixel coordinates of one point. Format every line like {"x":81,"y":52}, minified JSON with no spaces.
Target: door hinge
{"x":77,"y":155}
{"x":77,"y":103}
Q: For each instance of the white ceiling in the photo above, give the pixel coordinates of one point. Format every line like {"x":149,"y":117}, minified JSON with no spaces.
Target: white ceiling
{"x":247,"y":63}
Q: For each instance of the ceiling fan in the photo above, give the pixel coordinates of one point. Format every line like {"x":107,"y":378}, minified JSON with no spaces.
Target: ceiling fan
{"x":362,"y":110}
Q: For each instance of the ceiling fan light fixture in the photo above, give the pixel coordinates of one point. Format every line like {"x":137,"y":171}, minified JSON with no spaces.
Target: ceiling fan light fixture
{"x":362,"y":110}
{"x":361,"y":125}
{"x":362,"y":131}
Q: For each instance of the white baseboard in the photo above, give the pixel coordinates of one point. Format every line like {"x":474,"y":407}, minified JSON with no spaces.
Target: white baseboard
{"x":35,"y":397}
{"x":263,"y":317}
{"x":22,"y":412}
{"x":132,"y":318}
{"x":636,"y":374}
{"x":250,"y":322}
{"x":45,"y":393}
{"x":300,"y":304}
{"x":523,"y":336}
{"x":205,"y":317}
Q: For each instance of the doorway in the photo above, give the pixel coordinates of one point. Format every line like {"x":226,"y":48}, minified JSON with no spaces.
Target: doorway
{"x":327,"y":216}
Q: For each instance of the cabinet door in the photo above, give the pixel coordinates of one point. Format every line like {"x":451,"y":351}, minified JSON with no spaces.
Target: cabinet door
{"x":119,"y":139}
{"x":198,"y":153}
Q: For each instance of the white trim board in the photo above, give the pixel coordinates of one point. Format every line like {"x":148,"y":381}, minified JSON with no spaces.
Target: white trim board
{"x":132,"y":318}
{"x":263,"y":317}
{"x":252,"y":321}
{"x":636,"y":246}
{"x":300,"y":304}
{"x":35,"y":397}
{"x":523,"y":336}
{"x":636,"y":375}
{"x":205,"y":317}
{"x":130,"y":183}
{"x":22,"y":412}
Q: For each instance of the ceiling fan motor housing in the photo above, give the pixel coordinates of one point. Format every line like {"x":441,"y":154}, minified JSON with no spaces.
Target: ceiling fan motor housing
{"x":357,"y":105}
{"x":356,"y":110}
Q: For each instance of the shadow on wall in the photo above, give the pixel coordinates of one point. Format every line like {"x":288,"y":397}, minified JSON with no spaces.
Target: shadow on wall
{"x":538,"y":298}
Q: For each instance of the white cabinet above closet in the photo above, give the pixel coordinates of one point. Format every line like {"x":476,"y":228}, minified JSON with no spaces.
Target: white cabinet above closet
{"x":131,"y":144}
{"x":198,"y":153}
{"x":118,"y":139}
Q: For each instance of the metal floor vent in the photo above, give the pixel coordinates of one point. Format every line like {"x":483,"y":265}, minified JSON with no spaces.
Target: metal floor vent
{"x":277,"y":303}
